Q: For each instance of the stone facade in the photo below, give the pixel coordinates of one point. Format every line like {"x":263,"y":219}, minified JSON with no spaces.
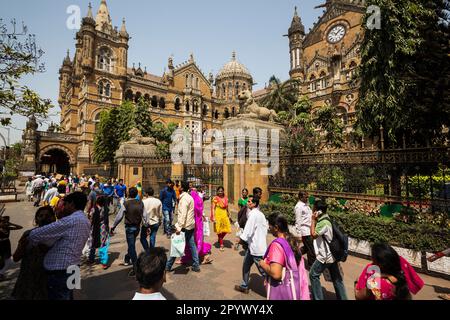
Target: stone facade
{"x":99,"y":77}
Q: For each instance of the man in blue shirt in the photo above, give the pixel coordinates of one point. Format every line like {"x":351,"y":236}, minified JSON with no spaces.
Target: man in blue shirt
{"x":120,"y":190}
{"x":168,"y":198}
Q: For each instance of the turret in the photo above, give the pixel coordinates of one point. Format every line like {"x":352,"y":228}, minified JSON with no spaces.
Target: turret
{"x":296,"y":36}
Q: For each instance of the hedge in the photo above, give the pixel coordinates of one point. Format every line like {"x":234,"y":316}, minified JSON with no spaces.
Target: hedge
{"x":419,"y":237}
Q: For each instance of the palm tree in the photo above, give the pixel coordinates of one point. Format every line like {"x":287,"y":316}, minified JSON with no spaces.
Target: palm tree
{"x":283,"y":95}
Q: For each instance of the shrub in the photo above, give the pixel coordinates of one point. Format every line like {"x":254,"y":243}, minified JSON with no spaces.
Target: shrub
{"x":420,"y":237}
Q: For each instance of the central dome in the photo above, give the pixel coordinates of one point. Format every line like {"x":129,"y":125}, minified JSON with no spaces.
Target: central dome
{"x":234,"y":69}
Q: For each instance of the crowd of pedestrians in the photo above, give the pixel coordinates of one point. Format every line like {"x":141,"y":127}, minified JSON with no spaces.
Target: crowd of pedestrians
{"x":73,"y":221}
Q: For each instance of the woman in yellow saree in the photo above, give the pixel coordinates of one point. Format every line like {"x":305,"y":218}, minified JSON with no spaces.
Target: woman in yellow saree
{"x":220,"y":216}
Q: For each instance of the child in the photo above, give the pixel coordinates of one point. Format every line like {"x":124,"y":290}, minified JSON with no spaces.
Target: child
{"x":32,"y":281}
{"x":151,"y":274}
{"x":5,"y":245}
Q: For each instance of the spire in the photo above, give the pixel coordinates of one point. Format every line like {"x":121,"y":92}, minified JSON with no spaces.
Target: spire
{"x":89,"y":14}
{"x":103,"y":16}
{"x":123,"y":30}
{"x":296,"y":25}
{"x":191,"y":57}
{"x":67,"y":61}
{"x":233,"y":56}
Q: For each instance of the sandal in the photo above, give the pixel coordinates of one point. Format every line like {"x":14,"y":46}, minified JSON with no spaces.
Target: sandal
{"x":222,"y":248}
{"x":208,"y":261}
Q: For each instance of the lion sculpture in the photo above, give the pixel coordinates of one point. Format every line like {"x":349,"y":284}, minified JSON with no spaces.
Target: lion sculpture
{"x":137,"y":138}
{"x":250,"y":109}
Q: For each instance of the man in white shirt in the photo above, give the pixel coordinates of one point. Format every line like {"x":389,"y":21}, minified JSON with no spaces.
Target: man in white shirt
{"x":322,"y":232}
{"x":37,"y":186}
{"x":51,"y":193}
{"x":255,"y":235}
{"x":151,"y":219}
{"x":186,"y":223}
{"x":303,"y":214}
{"x":151,"y":274}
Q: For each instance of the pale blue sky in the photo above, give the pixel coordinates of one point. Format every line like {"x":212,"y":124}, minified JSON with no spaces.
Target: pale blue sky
{"x":211,"y":29}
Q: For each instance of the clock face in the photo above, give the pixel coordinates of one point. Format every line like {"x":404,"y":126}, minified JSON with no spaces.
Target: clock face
{"x":336,"y":34}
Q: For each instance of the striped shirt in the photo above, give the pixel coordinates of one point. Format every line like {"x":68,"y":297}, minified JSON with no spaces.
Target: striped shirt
{"x":66,"y":237}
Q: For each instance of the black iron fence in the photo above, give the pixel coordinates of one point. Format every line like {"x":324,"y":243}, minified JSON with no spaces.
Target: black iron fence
{"x":412,"y":179}
{"x":209,"y":176}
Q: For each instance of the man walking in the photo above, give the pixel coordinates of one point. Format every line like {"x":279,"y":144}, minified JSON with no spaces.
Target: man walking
{"x":322,"y":232}
{"x":66,"y":239}
{"x":151,"y":220}
{"x":255,"y":235}
{"x":186,"y":223}
{"x":303,"y":215}
{"x":133,"y":211}
{"x":38,"y":188}
{"x":168,"y":198}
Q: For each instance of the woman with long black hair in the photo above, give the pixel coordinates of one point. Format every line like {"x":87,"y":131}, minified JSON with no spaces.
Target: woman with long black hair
{"x":388,"y":277}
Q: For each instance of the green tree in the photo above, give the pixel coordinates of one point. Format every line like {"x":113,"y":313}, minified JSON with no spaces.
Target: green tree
{"x":19,"y":56}
{"x":162,"y":135}
{"x":143,"y":117}
{"x":311,"y":130}
{"x":404,"y":72}
{"x":282,"y":94}
{"x":112,"y":130}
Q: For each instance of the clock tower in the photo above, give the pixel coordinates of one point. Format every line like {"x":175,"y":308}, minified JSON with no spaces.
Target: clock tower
{"x":296,"y":36}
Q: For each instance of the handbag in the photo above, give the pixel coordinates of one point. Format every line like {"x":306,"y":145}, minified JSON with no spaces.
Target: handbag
{"x":206,"y":228}
{"x":177,"y":245}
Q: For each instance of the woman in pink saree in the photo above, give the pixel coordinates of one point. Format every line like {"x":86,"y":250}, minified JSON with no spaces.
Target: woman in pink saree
{"x":388,"y":277}
{"x":203,"y":248}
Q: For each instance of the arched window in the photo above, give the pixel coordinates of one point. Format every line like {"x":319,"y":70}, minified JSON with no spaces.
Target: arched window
{"x":191,"y":80}
{"x":342,"y":113}
{"x":104,"y":60}
{"x":227,"y":113}
{"x":97,"y":121}
{"x":313,"y":85}
{"x":129,"y":95}
{"x":100,"y":88}
{"x":137,"y":97}
{"x":81,"y":117}
{"x":147,"y":97}
{"x":233,"y":112}
{"x":197,"y":83}
{"x":236,"y":89}
{"x":187,"y":81}
{"x":216,"y":115}
{"x":195,"y":108}
{"x":323,"y":80}
{"x":230,"y":91}
{"x":187,"y":106}
{"x":177,"y":104}
{"x":154,"y":101}
{"x":223,"y":91}
{"x":162,"y":103}
{"x":104,"y":88}
{"x":205,"y":110}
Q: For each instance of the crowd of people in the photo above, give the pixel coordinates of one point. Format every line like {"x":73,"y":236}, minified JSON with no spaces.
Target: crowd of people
{"x":73,"y":220}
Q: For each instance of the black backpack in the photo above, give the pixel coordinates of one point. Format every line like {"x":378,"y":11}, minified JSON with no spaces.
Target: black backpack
{"x":242,"y":217}
{"x":339,"y":244}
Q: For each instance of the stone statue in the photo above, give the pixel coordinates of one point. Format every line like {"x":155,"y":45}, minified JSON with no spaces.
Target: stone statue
{"x":250,"y":109}
{"x":137,"y":138}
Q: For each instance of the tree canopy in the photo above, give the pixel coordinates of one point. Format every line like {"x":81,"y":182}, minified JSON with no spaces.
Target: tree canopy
{"x":19,"y":56}
{"x":282,"y":95}
{"x":405,"y":72}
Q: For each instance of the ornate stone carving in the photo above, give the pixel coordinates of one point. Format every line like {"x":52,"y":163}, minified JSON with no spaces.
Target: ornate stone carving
{"x":250,"y":109}
{"x":137,"y":138}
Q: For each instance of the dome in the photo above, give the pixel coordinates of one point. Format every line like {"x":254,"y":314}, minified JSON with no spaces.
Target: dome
{"x":234,"y":69}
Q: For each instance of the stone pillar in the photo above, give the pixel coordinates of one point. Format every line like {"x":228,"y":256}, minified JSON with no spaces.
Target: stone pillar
{"x":30,"y":150}
{"x":252,"y":173}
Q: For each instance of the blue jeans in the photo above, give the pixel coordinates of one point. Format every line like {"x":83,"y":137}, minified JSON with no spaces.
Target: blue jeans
{"x":153,"y":231}
{"x":314,"y":276}
{"x":249,"y":260}
{"x":57,"y":286}
{"x":168,"y":219}
{"x":190,"y":241}
{"x":131,"y":233}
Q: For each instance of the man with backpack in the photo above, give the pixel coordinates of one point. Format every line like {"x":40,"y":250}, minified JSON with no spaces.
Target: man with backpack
{"x":324,"y":240}
{"x":168,"y":198}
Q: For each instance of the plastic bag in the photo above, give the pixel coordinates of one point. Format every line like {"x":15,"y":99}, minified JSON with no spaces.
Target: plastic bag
{"x":206,"y":229}
{"x":177,"y":245}
{"x":239,"y":229}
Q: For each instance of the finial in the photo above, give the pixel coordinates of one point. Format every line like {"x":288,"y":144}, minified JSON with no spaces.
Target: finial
{"x":90,"y":15}
{"x":295,"y":12}
{"x":191,"y":57}
{"x":233,"y":56}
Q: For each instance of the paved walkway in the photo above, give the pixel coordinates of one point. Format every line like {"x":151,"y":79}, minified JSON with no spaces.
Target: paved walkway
{"x":214,"y":282}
